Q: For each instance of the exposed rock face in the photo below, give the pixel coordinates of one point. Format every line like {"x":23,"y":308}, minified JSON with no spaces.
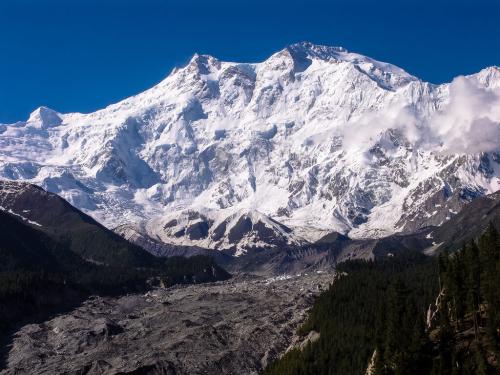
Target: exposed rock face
{"x":233,"y":327}
{"x":236,"y":234}
{"x":301,"y":342}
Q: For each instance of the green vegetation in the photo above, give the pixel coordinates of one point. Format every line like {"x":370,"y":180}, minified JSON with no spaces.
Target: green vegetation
{"x":375,"y":314}
{"x":467,"y":327}
{"x":364,"y":309}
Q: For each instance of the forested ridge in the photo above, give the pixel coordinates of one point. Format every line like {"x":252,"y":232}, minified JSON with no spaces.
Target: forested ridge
{"x":407,"y":313}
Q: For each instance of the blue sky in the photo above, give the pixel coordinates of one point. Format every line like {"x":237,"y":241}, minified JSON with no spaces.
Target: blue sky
{"x":80,"y":55}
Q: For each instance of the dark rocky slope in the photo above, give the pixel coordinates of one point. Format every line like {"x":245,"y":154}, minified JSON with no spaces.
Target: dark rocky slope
{"x":232,"y":327}
{"x":469,"y":222}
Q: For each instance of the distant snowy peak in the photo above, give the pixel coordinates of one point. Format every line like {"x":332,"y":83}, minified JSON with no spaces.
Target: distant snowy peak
{"x":488,"y":77}
{"x":312,"y":137}
{"x":44,"y":118}
{"x":390,"y":74}
{"x":295,"y":59}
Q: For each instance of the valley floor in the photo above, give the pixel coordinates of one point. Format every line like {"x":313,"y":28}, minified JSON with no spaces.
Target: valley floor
{"x":230,"y":327}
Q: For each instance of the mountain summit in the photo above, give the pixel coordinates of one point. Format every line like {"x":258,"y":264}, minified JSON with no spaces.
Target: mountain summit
{"x":316,"y":138}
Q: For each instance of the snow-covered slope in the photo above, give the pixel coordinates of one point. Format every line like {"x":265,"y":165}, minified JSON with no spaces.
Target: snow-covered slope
{"x":314,"y":137}
{"x":241,"y":231}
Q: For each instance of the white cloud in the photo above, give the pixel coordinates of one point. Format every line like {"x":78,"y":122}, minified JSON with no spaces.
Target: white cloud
{"x":468,"y":123}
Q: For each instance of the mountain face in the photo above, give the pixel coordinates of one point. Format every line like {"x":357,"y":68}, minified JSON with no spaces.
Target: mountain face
{"x":469,"y":223}
{"x":241,"y":156}
{"x":239,"y":232}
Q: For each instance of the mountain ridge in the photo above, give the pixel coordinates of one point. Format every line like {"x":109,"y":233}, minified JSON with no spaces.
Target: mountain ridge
{"x":312,"y":137}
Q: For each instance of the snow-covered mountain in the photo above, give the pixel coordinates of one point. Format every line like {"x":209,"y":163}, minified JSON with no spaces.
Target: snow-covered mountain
{"x":240,"y":231}
{"x":313,"y":139}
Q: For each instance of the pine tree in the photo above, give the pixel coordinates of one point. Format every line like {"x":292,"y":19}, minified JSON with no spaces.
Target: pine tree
{"x":457,"y":287}
{"x":489,"y":254}
{"x":473,"y":284}
{"x":418,"y":359}
{"x":444,"y":364}
{"x":395,"y":312}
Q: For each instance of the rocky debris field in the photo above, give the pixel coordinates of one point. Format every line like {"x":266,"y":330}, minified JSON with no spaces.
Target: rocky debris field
{"x":230,"y":327}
